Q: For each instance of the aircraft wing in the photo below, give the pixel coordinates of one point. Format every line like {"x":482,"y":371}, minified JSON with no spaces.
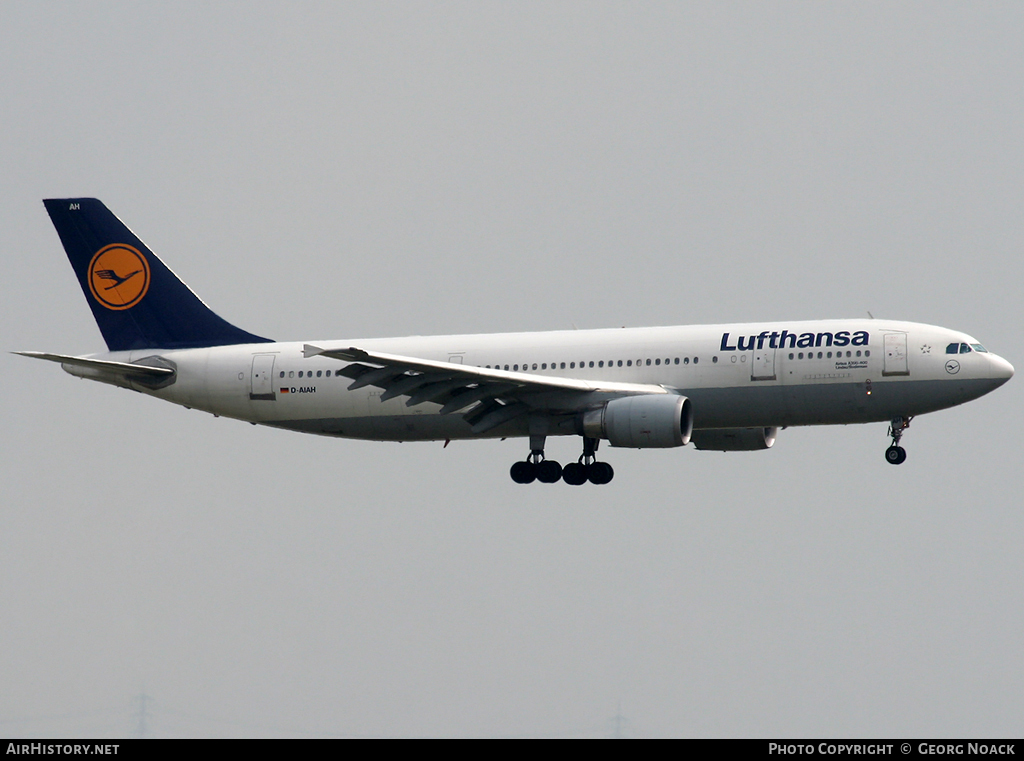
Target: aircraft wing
{"x":497,"y":396}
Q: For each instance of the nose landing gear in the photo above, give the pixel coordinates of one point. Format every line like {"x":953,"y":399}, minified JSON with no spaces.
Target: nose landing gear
{"x":895,"y":454}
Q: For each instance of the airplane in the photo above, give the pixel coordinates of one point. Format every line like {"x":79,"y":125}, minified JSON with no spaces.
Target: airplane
{"x":724,"y":387}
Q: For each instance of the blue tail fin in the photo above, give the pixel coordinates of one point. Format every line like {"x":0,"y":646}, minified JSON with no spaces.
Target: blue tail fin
{"x":138,"y":303}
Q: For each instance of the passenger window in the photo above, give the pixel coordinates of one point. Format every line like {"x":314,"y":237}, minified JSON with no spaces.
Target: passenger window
{"x":601,"y":363}
{"x":562,"y":366}
{"x":657,"y":361}
{"x":620,"y":363}
{"x":291,"y":373}
{"x":544,"y":366}
{"x":697,"y":359}
{"x":648,"y":363}
{"x":591,"y":363}
{"x":791,"y":355}
{"x":677,"y":360}
{"x":629,"y":363}
{"x":572,"y":365}
{"x":686,"y":360}
{"x":282,"y":374}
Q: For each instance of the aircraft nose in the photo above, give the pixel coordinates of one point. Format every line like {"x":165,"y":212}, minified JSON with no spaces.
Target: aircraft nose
{"x":1002,"y":370}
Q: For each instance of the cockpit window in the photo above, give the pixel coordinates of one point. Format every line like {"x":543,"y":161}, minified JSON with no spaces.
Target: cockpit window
{"x":979,"y":347}
{"x":953,"y":349}
{"x":965,"y":349}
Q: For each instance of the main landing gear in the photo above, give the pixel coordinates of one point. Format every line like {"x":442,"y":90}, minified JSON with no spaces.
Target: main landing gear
{"x":587,"y":468}
{"x":535,"y":467}
{"x":895,"y":454}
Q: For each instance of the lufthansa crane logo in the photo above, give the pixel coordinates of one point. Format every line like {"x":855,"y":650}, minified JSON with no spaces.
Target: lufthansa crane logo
{"x":118,"y":276}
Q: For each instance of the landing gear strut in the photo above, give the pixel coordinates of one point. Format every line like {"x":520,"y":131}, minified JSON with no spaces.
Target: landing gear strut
{"x":587,"y":468}
{"x":535,"y":467}
{"x":895,"y":454}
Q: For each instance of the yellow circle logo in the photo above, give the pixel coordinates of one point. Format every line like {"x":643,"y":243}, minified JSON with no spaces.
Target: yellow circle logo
{"x":118,"y":276}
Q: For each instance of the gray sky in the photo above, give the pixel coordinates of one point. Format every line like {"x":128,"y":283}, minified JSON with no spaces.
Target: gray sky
{"x":352,"y":170}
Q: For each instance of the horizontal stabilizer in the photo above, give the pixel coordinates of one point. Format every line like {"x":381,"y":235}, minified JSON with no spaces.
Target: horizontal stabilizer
{"x":128,"y":369}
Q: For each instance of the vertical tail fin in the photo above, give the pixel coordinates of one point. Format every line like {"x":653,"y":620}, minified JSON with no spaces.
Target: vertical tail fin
{"x":137,"y":301}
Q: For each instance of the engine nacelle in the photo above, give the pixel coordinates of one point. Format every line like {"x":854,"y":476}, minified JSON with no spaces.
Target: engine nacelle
{"x":735,"y":439}
{"x":641,"y":422}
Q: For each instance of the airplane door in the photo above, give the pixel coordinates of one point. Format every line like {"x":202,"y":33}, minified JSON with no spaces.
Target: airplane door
{"x":895,"y":361}
{"x":763,"y":365}
{"x":262,"y":377}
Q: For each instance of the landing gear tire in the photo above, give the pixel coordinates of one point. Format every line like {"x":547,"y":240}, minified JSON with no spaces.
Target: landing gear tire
{"x":549,"y":472}
{"x":895,"y":455}
{"x":523,"y":472}
{"x":600,"y":473}
{"x":574,"y":474}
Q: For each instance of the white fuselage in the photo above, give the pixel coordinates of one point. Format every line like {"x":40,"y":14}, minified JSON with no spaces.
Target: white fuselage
{"x":736,"y":375}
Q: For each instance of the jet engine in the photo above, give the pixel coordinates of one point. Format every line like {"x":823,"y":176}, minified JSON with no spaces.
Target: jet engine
{"x":641,"y":422}
{"x":735,"y":439}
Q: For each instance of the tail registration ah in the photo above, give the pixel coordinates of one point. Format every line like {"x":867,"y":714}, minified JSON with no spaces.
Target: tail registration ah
{"x":721,"y":387}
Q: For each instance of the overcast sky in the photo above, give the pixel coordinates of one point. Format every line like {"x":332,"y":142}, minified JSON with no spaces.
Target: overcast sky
{"x":344,"y":170}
